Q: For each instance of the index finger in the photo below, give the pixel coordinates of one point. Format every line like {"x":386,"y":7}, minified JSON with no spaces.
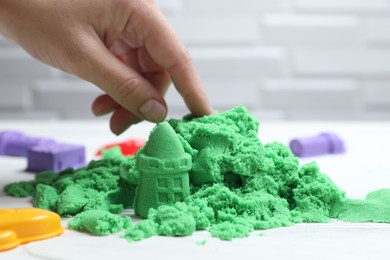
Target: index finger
{"x":166,"y":48}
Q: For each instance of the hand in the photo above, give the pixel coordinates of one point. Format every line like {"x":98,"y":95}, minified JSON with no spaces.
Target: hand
{"x":125,"y":47}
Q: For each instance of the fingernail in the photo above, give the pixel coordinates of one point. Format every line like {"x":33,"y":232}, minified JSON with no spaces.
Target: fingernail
{"x":153,"y":111}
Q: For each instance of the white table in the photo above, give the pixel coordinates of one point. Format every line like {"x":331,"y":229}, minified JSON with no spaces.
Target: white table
{"x":365,"y":167}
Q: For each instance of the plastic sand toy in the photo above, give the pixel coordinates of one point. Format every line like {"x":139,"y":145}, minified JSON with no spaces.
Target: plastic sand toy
{"x":325,"y":143}
{"x":23,"y":225}
{"x":55,"y":157}
{"x":43,"y":154}
{"x":15,"y":143}
{"x":163,"y":166}
{"x":6,"y":137}
{"x":128,"y":147}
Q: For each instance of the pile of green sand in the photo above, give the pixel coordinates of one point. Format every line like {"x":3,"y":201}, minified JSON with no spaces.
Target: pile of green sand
{"x":237,"y":185}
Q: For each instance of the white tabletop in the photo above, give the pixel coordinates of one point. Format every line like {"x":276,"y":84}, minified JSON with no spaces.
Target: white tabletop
{"x":364,"y":168}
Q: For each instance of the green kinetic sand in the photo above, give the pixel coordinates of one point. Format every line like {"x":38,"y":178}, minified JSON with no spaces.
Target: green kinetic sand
{"x":374,"y":208}
{"x":237,"y":184}
{"x":99,"y":222}
{"x":142,"y":230}
{"x":163,"y":167}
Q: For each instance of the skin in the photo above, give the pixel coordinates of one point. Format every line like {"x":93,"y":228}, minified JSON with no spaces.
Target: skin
{"x":125,"y":47}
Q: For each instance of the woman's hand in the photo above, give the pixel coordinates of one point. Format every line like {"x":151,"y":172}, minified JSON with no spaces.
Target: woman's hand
{"x":125,"y":47}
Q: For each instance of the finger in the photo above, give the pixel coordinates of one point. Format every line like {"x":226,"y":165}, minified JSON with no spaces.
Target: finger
{"x":160,"y":80}
{"x":146,"y":62}
{"x":168,"y":51}
{"x":143,"y":63}
{"x":123,"y":84}
{"x":127,"y":55}
{"x":150,"y":70}
{"x":153,"y":72}
{"x":121,"y":120}
{"x":103,"y":105}
{"x":131,"y":60}
{"x":120,"y":47}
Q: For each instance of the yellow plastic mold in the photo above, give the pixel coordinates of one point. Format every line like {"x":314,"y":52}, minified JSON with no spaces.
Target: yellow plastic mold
{"x":23,"y":225}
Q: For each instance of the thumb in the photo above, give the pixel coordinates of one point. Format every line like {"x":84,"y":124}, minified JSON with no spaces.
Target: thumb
{"x":126,"y":86}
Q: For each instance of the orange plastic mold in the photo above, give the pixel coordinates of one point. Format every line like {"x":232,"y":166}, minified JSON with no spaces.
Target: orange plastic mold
{"x":23,"y":225}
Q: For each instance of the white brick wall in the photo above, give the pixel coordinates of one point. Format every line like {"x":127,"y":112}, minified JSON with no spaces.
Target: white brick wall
{"x":239,"y":62}
{"x":358,"y":63}
{"x":70,"y":98}
{"x":4,"y":41}
{"x":235,"y":6}
{"x":15,"y":64}
{"x":15,"y":95}
{"x":169,"y":7}
{"x":351,"y":6}
{"x":377,"y":30}
{"x":216,"y":30}
{"x":312,"y":31}
{"x":311,"y":98}
{"x":284,"y":59}
{"x":377,"y":94}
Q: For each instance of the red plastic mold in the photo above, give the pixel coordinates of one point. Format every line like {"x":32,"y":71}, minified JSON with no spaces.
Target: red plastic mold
{"x":128,"y":147}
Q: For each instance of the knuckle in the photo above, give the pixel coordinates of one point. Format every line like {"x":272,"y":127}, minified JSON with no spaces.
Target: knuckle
{"x":184,"y":59}
{"x":127,"y":89}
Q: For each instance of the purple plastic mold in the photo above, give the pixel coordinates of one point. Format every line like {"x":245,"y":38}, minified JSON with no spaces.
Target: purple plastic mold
{"x":6,"y":137}
{"x":324,"y":143}
{"x":15,"y":143}
{"x":336,"y":144}
{"x":55,"y":157}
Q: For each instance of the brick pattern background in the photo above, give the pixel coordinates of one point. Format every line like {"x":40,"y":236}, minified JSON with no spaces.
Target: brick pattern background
{"x":283,"y":59}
